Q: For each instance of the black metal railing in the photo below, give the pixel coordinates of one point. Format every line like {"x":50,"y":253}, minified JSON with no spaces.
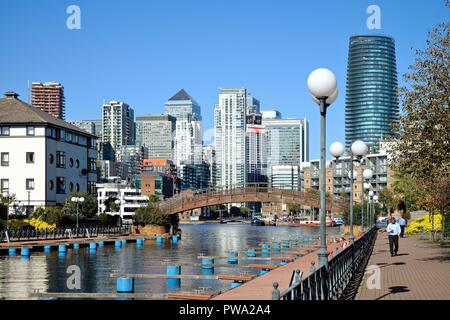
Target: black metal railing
{"x":330,"y":283}
{"x":62,"y":233}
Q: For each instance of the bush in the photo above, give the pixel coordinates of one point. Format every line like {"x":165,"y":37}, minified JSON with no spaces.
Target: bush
{"x":152,"y":215}
{"x":425,"y":222}
{"x":19,"y":224}
{"x":39,"y":224}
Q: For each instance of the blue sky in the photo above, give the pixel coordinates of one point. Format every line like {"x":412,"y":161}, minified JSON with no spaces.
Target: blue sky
{"x":143,"y":52}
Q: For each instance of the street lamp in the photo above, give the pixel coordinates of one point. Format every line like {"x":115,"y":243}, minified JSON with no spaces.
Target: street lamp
{"x":118,"y":202}
{"x":77,"y":200}
{"x":375,"y":200}
{"x":367,"y":175}
{"x":6,"y":195}
{"x":322,"y":85}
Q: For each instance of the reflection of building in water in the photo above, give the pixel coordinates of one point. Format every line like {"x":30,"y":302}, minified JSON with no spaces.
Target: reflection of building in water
{"x":20,"y":276}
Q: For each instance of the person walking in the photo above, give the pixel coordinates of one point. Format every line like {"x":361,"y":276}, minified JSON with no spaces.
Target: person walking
{"x":393,"y":230}
{"x":402,"y":223}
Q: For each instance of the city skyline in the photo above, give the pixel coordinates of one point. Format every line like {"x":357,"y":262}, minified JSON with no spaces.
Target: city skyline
{"x":275,"y":70}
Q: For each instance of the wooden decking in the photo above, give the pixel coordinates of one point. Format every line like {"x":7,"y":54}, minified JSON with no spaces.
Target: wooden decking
{"x":420,"y":271}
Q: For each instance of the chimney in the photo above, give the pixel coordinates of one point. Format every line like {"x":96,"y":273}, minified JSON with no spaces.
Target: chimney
{"x":11,"y":95}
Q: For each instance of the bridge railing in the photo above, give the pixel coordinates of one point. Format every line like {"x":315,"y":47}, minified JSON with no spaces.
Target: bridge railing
{"x":330,"y":283}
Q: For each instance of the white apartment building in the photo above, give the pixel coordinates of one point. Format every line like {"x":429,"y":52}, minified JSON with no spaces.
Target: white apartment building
{"x":130,"y":199}
{"x":230,"y":134}
{"x":43,"y":159}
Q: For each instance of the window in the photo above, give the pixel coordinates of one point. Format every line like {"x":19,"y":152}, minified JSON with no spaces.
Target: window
{"x":30,"y":157}
{"x":91,"y":187}
{"x":30,"y":184}
{"x":30,"y":130}
{"x":71,"y":162}
{"x":92,"y":165}
{"x":77,"y":163}
{"x":4,"y":131}
{"x":50,"y":185}
{"x":51,"y":158}
{"x":60,"y":185}
{"x":77,"y":186}
{"x":60,"y":159}
{"x":5,"y":159}
{"x":71,"y":186}
{"x":4,"y":185}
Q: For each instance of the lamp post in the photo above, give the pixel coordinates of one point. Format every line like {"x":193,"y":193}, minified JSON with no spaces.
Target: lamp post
{"x":367,"y":175}
{"x":77,"y":200}
{"x":118,"y":202}
{"x":322,"y":85}
{"x":6,"y":195}
{"x":375,"y":200}
{"x":368,"y":186}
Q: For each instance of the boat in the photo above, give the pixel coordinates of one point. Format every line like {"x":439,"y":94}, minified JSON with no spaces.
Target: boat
{"x":338,"y":221}
{"x":314,"y":223}
{"x":257,"y":222}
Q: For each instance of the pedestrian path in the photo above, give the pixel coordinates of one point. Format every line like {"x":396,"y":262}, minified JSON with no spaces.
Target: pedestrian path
{"x":420,"y":271}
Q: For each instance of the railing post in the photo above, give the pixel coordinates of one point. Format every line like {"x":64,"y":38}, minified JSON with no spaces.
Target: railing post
{"x":275,"y":292}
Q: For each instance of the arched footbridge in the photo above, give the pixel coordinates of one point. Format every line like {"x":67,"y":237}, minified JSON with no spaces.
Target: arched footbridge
{"x":190,"y":200}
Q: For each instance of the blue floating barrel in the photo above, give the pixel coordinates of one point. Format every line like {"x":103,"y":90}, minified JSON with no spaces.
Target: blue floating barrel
{"x":235,"y":284}
{"x":12,"y":251}
{"x":232,"y":257}
{"x":118,"y":244}
{"x":265,"y":250}
{"x":174,"y":283}
{"x":25,"y":252}
{"x":62,"y":248}
{"x":76,"y":245}
{"x":263,"y":271}
{"x":159,"y":239}
{"x":283,"y":262}
{"x":47,"y":248}
{"x":101,"y":243}
{"x":251,"y":253}
{"x":125,"y":285}
{"x":207,"y":261}
{"x":175,"y":238}
{"x":139,"y":242}
{"x":92,"y":246}
{"x":124,"y":241}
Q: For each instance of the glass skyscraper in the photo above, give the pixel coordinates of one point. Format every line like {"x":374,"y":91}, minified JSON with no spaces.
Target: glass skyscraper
{"x":372,"y":98}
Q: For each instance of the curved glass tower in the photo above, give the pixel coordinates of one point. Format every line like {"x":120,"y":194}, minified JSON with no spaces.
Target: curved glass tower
{"x":371,"y":99}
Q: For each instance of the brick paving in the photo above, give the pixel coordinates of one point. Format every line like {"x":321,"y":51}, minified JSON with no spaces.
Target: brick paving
{"x":420,"y":271}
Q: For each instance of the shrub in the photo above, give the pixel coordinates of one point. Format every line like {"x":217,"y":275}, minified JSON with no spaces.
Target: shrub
{"x":19,"y":224}
{"x":152,"y":215}
{"x":39,"y":224}
{"x":425,"y":221}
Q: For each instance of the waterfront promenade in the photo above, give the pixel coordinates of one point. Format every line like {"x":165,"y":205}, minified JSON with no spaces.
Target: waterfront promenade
{"x":420,"y":271}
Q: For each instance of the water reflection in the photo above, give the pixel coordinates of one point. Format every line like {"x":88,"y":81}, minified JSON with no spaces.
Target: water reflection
{"x":48,"y":271}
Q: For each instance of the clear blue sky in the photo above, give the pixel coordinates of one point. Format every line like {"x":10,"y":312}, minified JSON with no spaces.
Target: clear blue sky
{"x":143,"y":52}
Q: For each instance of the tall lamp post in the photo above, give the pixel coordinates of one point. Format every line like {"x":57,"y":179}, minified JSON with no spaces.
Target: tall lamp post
{"x":118,"y":202}
{"x":367,"y":175}
{"x":322,"y":85}
{"x":375,"y":200}
{"x":6,"y":195}
{"x":77,"y":200}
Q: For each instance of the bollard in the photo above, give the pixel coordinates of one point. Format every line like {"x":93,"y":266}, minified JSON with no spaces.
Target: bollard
{"x":275,"y":292}
{"x":174,"y":283}
{"x":76,"y":245}
{"x":47,"y":248}
{"x":232,"y":258}
{"x":139,"y":242}
{"x":207,"y":261}
{"x":125,"y":285}
{"x":118,"y":244}
{"x":251,"y":253}
{"x":25,"y":252}
{"x":92,"y":246}
{"x":62,"y":248}
{"x":101,"y":243}
{"x":12,"y":251}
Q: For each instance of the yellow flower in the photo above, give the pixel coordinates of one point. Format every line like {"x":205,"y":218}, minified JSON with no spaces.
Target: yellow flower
{"x":425,"y":222}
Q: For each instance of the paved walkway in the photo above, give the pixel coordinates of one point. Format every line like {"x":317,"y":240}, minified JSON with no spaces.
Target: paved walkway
{"x":420,"y":271}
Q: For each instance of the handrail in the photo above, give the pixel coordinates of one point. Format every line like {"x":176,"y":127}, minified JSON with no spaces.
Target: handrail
{"x":330,"y":283}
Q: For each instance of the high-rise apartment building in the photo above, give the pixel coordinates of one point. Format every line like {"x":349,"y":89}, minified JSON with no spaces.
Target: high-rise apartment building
{"x":372,"y":99}
{"x":287,"y":142}
{"x":209,"y":157}
{"x":230,"y":124}
{"x":49,"y":97}
{"x":132,"y":156}
{"x":157,"y":133}
{"x":118,"y":128}
{"x":255,"y":150}
{"x":188,"y":128}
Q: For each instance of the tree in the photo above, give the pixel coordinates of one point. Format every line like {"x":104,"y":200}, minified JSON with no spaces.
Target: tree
{"x":294,"y":208}
{"x":388,"y":198}
{"x":87,"y":209}
{"x":111,"y":205}
{"x":244,"y":211}
{"x":153,"y":215}
{"x":153,"y":198}
{"x":422,"y":149}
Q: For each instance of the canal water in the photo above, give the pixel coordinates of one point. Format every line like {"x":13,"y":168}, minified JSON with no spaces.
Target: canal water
{"x":48,"y":272}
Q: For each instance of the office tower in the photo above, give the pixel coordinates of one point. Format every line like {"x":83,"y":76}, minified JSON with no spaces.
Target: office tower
{"x":230,"y":132}
{"x":209,"y":157}
{"x":194,"y":176}
{"x":49,"y":97}
{"x":157,"y":133}
{"x":188,"y":128}
{"x":132,"y":157}
{"x":371,"y":100}
{"x":287,"y":142}
{"x":255,"y":150}
{"x":286,"y":177}
{"x":118,"y":128}
{"x":270,"y":114}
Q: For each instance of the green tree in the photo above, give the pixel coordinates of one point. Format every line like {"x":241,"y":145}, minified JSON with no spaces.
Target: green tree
{"x":153,"y":198}
{"x":244,"y":211}
{"x":294,"y":208}
{"x":87,"y":209}
{"x":153,"y":215}
{"x":388,"y":199}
